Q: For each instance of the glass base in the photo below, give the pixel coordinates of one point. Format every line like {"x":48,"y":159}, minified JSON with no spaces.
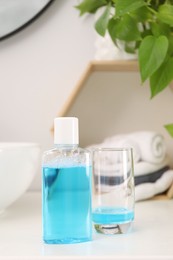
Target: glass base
{"x":113,"y":229}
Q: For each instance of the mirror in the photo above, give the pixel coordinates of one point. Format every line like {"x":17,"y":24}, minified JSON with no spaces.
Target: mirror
{"x":17,"y":14}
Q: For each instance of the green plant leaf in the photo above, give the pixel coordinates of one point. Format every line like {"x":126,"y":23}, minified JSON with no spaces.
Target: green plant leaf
{"x":102,"y":22}
{"x":142,"y":14}
{"x":126,"y":6}
{"x":162,"y":77}
{"x":165,"y":14}
{"x":160,"y":29}
{"x":146,"y":33}
{"x":169,"y":128}
{"x":170,"y":49}
{"x":90,"y":6}
{"x":152,"y":53}
{"x":124,"y":28}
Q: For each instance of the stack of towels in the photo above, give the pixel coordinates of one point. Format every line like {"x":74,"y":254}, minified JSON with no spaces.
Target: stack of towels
{"x":151,"y":166}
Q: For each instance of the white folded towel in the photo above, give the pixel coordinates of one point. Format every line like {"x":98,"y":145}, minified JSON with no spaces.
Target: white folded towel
{"x":147,"y":146}
{"x":123,"y":141}
{"x":142,"y":191}
{"x":142,"y":168}
{"x":151,"y":144}
{"x":106,"y":168}
{"x":119,"y":141}
{"x":148,"y":190}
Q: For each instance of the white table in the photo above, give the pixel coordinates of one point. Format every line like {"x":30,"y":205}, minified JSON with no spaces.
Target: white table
{"x":151,"y":237}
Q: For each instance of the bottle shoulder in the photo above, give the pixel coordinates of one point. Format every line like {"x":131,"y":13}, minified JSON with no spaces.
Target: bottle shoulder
{"x":60,"y":151}
{"x":66,"y":156}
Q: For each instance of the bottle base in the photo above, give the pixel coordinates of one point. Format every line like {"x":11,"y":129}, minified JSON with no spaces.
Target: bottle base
{"x":112,"y":229}
{"x":66,"y":240}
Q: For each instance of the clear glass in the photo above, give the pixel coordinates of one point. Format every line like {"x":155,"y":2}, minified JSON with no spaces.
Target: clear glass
{"x":113,"y":198}
{"x":66,"y":195}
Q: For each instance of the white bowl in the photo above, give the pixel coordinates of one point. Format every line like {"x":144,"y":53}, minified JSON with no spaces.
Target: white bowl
{"x":18,"y":165}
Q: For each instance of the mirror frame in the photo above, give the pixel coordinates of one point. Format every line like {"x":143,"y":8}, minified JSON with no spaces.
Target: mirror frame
{"x":30,"y":21}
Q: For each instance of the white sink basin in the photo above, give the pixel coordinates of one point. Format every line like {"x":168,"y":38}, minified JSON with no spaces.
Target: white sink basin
{"x":18,"y":164}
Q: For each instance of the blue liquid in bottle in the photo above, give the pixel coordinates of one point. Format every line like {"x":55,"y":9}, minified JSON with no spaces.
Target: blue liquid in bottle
{"x":66,"y":204}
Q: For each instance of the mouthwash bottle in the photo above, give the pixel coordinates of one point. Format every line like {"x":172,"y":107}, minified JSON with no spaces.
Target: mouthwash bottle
{"x":66,"y":187}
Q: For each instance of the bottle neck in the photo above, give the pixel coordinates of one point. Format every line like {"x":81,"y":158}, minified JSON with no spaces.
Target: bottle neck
{"x":66,"y":146}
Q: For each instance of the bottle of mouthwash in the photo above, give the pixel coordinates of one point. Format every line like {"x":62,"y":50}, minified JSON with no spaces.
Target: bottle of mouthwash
{"x":66,"y":187}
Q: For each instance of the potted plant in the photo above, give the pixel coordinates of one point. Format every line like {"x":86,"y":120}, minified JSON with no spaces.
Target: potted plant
{"x":146,"y":28}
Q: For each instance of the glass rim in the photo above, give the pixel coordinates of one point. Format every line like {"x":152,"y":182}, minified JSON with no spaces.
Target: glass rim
{"x":112,"y":149}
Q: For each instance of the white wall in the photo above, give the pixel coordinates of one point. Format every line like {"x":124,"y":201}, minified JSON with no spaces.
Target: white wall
{"x":39,"y":67}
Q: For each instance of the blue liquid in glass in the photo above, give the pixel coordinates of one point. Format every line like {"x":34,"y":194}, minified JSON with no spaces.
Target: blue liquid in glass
{"x":67,"y":204}
{"x":111,"y":215}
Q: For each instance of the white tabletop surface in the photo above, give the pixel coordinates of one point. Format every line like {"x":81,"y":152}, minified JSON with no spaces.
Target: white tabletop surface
{"x":151,"y":236}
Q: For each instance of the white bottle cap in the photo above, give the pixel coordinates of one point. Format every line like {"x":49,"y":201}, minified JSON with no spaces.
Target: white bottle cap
{"x":66,"y":130}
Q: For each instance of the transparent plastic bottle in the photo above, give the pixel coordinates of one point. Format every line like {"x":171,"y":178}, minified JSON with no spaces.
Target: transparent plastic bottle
{"x":66,"y":187}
